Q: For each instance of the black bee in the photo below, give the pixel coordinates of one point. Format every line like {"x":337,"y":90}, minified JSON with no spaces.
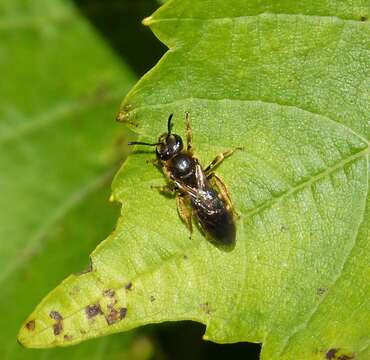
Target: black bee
{"x":197,"y":190}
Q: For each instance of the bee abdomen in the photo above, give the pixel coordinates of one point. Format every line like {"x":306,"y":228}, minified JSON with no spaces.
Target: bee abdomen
{"x":218,"y":224}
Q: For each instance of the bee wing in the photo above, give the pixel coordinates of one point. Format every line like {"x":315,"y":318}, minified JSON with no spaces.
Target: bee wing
{"x":193,"y":193}
{"x":200,"y":197}
{"x":202,"y":181}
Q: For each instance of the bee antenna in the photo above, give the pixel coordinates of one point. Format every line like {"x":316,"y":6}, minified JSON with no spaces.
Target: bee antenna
{"x":169,"y":124}
{"x":141,"y":143}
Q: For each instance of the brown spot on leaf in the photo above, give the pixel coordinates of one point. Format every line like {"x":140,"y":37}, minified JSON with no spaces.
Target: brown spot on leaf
{"x":346,"y":357}
{"x":206,"y":308}
{"x":68,"y":337}
{"x":185,"y":257}
{"x":321,"y":291}
{"x":112,"y":317}
{"x":152,"y":298}
{"x":283,"y":228}
{"x":364,"y":18}
{"x":123,"y":114}
{"x":331,"y":354}
{"x":30,"y":325}
{"x":115,"y":315}
{"x":122,"y":313}
{"x":93,"y":310}
{"x":109,"y":293}
{"x":56,"y":315}
{"x":128,"y":286}
{"x":58,"y":328}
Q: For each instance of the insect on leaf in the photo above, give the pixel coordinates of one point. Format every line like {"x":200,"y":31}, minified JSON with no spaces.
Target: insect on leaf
{"x":289,"y":82}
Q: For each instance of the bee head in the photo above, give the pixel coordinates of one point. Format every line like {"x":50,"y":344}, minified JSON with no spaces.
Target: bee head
{"x":168,"y":144}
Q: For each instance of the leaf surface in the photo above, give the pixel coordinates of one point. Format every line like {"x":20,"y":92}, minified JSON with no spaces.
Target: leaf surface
{"x":290,"y":83}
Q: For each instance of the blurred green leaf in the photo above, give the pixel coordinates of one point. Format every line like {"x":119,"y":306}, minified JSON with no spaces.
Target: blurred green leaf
{"x":59,"y":147}
{"x":289,"y":81}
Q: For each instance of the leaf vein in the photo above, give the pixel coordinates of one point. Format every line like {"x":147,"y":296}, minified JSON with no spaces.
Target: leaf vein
{"x":252,"y":101}
{"x":305,"y":324}
{"x":151,"y":20}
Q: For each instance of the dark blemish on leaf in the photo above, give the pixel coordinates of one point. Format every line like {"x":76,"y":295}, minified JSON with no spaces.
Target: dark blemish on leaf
{"x":83,"y":332}
{"x":115,"y":315}
{"x":364,"y":18}
{"x":111,"y":305}
{"x":109,"y":292}
{"x":55,"y":315}
{"x":331,"y":354}
{"x":321,"y":291}
{"x":283,"y":228}
{"x":122,"y":115}
{"x":68,"y":337}
{"x":128,"y":286}
{"x":185,"y":257}
{"x":30,"y":325}
{"x":206,"y":308}
{"x":93,"y":310}
{"x":58,"y":328}
{"x":112,"y":317}
{"x":346,"y":357}
{"x":122,"y":313}
{"x":152,"y":298}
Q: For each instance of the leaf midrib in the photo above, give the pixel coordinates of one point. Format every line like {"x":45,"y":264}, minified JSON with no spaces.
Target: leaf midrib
{"x":308,"y":182}
{"x":152,"y":20}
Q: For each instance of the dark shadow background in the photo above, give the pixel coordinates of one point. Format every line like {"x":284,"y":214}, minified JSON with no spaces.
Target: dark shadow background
{"x":119,"y":23}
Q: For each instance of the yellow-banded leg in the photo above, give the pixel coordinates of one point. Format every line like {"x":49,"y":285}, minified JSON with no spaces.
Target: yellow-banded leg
{"x":155,"y":162}
{"x":219,"y":159}
{"x":182,"y":203}
{"x":169,"y":189}
{"x":184,"y":211}
{"x":189,"y":132}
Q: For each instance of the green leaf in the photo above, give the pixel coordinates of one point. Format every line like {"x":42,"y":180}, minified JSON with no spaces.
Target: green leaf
{"x":59,"y":147}
{"x":290,"y":83}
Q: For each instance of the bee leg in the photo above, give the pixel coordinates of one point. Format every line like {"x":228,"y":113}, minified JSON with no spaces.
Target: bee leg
{"x":189,"y":132}
{"x":168,"y":190}
{"x":219,"y":159}
{"x":219,"y":184}
{"x":155,"y":162}
{"x":184,"y":211}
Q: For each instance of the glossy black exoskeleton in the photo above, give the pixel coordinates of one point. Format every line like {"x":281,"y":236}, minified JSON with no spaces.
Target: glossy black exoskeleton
{"x":197,"y":190}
